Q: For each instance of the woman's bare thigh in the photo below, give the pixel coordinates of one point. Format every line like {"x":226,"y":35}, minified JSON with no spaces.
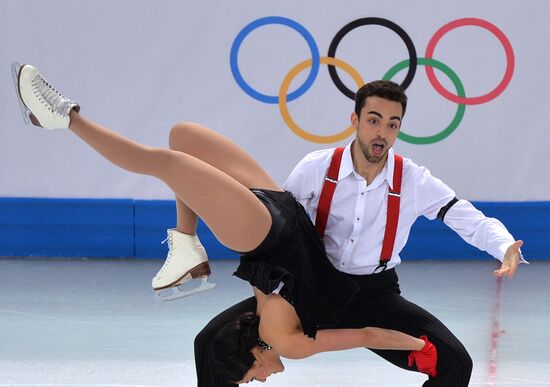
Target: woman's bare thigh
{"x":213,"y":148}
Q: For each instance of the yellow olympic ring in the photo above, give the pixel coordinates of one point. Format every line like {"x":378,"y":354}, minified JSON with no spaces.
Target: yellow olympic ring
{"x":283,"y":107}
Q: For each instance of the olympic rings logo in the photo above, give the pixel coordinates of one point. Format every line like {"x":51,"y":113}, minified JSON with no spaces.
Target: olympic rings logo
{"x":284,"y":96}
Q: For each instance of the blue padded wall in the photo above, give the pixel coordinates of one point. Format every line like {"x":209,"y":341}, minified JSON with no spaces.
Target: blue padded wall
{"x":66,"y":227}
{"x":127,"y":228}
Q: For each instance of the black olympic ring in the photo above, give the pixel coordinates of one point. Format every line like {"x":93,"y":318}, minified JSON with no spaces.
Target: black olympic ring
{"x":367,"y":21}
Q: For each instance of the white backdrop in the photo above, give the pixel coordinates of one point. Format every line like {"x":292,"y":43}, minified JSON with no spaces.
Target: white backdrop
{"x":140,"y":66}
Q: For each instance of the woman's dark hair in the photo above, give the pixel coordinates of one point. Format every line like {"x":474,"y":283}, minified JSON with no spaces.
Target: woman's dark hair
{"x":231,"y":347}
{"x":384,"y":89}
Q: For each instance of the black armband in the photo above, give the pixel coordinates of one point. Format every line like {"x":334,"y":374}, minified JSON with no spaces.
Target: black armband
{"x":443,"y":211}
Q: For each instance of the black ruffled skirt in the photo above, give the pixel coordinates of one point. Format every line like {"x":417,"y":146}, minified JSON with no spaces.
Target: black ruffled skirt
{"x":293,"y":254}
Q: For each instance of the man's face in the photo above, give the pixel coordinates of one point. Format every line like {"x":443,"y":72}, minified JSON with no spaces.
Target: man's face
{"x":377,"y":127}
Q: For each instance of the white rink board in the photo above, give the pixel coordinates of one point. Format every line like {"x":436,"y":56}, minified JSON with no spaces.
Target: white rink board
{"x":140,"y":66}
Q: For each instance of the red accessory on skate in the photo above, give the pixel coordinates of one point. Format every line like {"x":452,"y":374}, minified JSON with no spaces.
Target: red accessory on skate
{"x":394,"y":200}
{"x":425,"y":359}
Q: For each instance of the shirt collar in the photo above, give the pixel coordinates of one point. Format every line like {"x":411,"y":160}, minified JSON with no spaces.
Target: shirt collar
{"x":346,"y":167}
{"x":390,"y":165}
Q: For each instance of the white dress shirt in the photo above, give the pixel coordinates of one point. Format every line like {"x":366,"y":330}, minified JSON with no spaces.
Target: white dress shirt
{"x":357,"y":218}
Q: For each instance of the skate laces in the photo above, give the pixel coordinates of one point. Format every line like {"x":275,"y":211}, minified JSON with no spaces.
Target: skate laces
{"x":170,"y":243}
{"x":53,"y":99}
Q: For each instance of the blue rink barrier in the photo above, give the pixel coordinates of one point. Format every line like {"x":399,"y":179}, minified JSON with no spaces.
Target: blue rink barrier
{"x":126,"y":228}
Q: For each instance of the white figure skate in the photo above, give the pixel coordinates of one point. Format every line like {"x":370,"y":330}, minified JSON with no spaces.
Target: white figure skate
{"x":186,"y":261}
{"x":40,"y":103}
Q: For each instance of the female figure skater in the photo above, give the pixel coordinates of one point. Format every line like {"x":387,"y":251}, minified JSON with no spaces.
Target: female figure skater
{"x":249,"y":213}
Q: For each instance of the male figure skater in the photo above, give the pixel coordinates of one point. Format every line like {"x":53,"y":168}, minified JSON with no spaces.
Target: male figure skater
{"x":356,"y":232}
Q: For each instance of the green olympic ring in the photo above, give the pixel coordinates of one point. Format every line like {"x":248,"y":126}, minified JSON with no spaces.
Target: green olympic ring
{"x":459,"y":91}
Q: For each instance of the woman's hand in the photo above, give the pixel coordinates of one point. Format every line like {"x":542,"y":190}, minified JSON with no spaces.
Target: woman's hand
{"x":425,"y":358}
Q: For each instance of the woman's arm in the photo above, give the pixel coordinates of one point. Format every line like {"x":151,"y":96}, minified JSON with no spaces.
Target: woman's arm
{"x":280,"y":327}
{"x":298,"y":346}
{"x":261,"y":298}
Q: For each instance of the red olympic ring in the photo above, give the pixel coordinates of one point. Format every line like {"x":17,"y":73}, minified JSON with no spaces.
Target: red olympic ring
{"x":509,"y":61}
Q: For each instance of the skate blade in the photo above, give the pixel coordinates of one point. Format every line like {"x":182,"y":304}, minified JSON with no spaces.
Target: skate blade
{"x":179,"y":291}
{"x":15,"y":67}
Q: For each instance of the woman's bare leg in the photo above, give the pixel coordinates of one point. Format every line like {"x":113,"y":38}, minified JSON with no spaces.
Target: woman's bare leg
{"x":233,"y":213}
{"x":220,"y":152}
{"x":186,"y":219}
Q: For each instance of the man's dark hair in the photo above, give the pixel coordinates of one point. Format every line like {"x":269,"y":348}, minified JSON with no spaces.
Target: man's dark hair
{"x":384,"y":89}
{"x":231,"y":348}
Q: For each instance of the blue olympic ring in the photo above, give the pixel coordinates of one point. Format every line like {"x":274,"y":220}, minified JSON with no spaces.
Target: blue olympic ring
{"x":274,"y":99}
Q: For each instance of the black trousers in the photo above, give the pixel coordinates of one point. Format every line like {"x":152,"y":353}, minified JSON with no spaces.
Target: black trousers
{"x":378,"y":304}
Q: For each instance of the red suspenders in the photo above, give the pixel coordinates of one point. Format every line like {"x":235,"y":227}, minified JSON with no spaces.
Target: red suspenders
{"x":328,"y":191}
{"x":392,"y":216}
{"x":394,"y":199}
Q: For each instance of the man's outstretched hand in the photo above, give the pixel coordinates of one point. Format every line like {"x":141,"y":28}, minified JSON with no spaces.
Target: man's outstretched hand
{"x":511,"y":260}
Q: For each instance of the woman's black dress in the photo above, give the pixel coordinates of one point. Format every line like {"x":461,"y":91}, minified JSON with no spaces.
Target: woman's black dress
{"x":294,"y":254}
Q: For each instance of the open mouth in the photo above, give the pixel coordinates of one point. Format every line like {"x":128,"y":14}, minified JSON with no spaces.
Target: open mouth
{"x":378,"y":148}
